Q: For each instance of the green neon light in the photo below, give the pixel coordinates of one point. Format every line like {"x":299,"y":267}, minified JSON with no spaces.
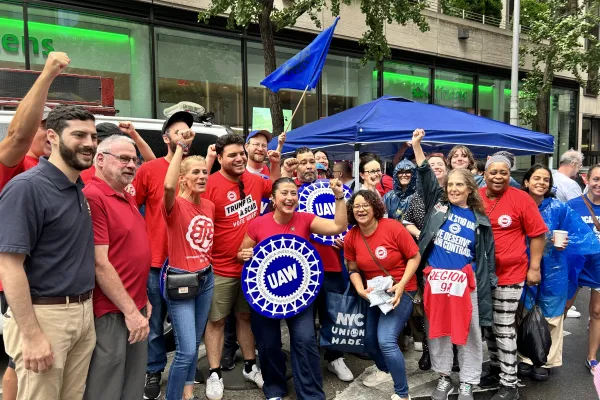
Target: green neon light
{"x":60,"y":30}
{"x":395,"y":77}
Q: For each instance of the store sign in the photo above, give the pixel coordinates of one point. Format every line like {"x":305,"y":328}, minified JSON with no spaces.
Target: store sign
{"x":442,"y":93}
{"x":12,"y":43}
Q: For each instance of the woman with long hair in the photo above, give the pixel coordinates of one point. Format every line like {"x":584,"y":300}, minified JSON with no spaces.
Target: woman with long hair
{"x":457,"y":250}
{"x":321,"y":157}
{"x":552,"y":293}
{"x":588,"y":207}
{"x":306,"y":367}
{"x":190,"y":259}
{"x":381,"y":247}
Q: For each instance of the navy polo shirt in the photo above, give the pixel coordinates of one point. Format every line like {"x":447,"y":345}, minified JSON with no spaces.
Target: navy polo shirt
{"x":46,"y":217}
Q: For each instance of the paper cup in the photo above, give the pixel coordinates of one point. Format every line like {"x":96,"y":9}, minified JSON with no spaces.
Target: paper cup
{"x":559,"y":238}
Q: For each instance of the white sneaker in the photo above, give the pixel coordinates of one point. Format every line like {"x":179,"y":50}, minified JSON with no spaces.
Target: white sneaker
{"x":396,"y":397}
{"x":254,"y":376}
{"x":418,"y":346}
{"x":340,"y":368}
{"x":573,"y":308}
{"x":573,"y":314}
{"x":377,"y":378}
{"x":214,"y":387}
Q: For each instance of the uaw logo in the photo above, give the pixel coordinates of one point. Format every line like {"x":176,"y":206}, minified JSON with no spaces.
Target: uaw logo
{"x":283,"y":277}
{"x":231,"y":195}
{"x":455,"y":228}
{"x":318,"y":198}
{"x":381,"y":252}
{"x":504,"y":221}
{"x":348,"y":329}
{"x":200,"y":234}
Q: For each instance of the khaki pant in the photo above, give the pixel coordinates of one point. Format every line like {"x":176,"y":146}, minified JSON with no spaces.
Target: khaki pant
{"x":70,"y":330}
{"x":556,"y":332}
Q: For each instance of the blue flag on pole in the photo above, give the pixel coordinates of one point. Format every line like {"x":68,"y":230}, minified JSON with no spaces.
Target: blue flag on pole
{"x":304,"y":69}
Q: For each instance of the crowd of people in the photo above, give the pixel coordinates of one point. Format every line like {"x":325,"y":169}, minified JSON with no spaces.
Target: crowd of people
{"x":88,"y":280}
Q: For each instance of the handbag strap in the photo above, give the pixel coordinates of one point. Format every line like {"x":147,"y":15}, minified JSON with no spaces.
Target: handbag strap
{"x":591,"y":209}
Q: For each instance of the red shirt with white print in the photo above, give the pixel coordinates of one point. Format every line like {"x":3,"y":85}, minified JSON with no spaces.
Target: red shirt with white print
{"x":190,"y":231}
{"x":232,"y":216}
{"x":514,"y":217}
{"x":391,"y":244}
{"x":447,"y":302}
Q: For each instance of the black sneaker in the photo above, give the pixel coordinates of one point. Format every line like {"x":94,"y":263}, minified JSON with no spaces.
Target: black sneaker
{"x":507,"y":393}
{"x":524,"y":370}
{"x":228,"y":359}
{"x":425,"y":361}
{"x":199,"y":378}
{"x":152,"y":386}
{"x":491,"y":379}
{"x":540,"y":374}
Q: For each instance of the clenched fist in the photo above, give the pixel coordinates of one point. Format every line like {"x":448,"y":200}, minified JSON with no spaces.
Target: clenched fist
{"x":55,"y":64}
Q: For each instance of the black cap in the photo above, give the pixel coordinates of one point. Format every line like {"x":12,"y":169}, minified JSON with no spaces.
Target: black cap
{"x":107,"y":129}
{"x":179,"y":116}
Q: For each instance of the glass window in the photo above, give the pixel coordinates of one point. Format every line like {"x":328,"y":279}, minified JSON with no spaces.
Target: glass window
{"x":494,"y":98}
{"x":202,"y":69}
{"x":97,"y":46}
{"x":258,"y":96}
{"x":346,"y":84}
{"x":406,"y":80}
{"x":454,"y":90}
{"x":562,"y":124}
{"x":12,"y":40}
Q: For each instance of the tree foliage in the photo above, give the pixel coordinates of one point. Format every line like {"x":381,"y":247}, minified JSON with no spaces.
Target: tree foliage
{"x":489,"y":8}
{"x":242,"y":13}
{"x":559,"y":39}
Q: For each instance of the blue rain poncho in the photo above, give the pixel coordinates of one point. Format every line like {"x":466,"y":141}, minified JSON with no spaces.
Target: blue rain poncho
{"x":397,"y":201}
{"x":557,"y":266}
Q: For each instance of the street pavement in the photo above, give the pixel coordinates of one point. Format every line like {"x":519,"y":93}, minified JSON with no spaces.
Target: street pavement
{"x":572,"y":381}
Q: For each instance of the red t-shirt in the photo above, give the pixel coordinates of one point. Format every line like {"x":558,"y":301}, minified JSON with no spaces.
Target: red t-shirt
{"x":263,"y":172}
{"x":149,"y":189}
{"x":513,"y":216}
{"x":7,"y":173}
{"x":332,"y":261}
{"x":190,"y":230}
{"x":119,"y":224}
{"x":390,"y":243}
{"x":265,"y":226}
{"x":386,"y":184}
{"x":232,"y":216}
{"x":447,"y":302}
{"x":88,"y":174}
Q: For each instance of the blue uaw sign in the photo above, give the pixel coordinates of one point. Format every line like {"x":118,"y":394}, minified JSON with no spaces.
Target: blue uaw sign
{"x":317,"y":198}
{"x":283,"y":277}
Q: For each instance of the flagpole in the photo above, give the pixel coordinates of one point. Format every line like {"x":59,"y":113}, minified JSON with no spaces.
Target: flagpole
{"x":280,"y":146}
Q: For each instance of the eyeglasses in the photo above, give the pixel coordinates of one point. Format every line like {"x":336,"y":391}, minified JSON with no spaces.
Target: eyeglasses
{"x":373,"y":171}
{"x":364,"y":206}
{"x":404,"y":173}
{"x":123,"y":159}
{"x":258,"y":145}
{"x":241,"y":189}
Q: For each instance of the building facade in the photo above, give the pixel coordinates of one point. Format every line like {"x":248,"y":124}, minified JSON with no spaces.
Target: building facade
{"x":158,"y":54}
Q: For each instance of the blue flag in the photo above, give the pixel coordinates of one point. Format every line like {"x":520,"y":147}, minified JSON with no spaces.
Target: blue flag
{"x":304,"y":69}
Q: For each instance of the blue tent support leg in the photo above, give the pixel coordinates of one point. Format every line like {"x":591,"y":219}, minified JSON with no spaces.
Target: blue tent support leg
{"x":356,"y":167}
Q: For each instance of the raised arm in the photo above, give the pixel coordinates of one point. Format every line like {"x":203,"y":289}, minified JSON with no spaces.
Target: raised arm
{"x":418,"y":135}
{"x":29,"y":114}
{"x":400,"y":152}
{"x":211,"y":156}
{"x":275,"y":160}
{"x":339,"y":223}
{"x":127,"y":128}
{"x":172,"y":178}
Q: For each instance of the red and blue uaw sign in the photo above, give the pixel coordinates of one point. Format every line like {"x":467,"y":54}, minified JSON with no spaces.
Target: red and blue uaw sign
{"x":283,"y":277}
{"x":318,"y":199}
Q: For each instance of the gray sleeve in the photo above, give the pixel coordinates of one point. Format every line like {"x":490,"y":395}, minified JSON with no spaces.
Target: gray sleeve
{"x":21,"y":213}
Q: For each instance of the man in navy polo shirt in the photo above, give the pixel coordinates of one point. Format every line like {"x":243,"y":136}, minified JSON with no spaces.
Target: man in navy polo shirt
{"x":47,"y":263}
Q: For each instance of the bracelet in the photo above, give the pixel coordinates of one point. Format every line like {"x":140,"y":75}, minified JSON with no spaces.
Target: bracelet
{"x":340,"y":198}
{"x":183,"y":145}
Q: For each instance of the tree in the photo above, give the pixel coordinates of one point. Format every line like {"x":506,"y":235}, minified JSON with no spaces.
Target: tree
{"x":560,"y":38}
{"x":489,"y":8}
{"x":377,"y":13}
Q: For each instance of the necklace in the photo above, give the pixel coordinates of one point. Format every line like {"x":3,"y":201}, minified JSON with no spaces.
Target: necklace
{"x":495,"y":204}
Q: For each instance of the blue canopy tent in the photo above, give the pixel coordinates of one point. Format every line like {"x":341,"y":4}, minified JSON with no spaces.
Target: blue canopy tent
{"x":382,"y":125}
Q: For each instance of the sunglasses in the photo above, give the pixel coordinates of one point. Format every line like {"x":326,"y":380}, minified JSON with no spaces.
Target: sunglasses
{"x":241,"y":189}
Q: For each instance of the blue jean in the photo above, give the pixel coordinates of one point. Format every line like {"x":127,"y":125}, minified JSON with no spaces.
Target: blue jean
{"x":157,"y":352}
{"x":382,"y":341}
{"x":188,"y":318}
{"x":333,"y":282}
{"x":306,"y":362}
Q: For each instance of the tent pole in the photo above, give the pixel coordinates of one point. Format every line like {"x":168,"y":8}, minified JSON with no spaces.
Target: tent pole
{"x":356,"y":167}
{"x":280,"y":146}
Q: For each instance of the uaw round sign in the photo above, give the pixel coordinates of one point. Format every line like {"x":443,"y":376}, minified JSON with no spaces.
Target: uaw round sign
{"x":283,"y":277}
{"x":317,"y":198}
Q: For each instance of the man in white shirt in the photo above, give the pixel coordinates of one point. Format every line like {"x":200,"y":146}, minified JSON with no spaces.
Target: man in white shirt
{"x":564,"y":185}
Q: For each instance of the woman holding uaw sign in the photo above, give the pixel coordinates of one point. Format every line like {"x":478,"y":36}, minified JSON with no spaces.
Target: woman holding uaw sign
{"x":281,"y":278}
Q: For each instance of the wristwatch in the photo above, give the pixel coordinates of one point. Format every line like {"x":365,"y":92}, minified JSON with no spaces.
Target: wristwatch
{"x":184,"y":146}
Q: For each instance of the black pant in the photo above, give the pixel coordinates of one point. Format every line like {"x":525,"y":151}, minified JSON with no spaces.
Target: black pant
{"x":230,"y":345}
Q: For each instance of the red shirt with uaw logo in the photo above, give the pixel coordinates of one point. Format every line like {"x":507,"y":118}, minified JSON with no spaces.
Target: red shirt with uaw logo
{"x":447,"y":302}
{"x":232,"y":216}
{"x":514,"y":216}
{"x":391,"y":244}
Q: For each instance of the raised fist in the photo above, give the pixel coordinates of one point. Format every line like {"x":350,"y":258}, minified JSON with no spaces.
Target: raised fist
{"x":56,"y":63}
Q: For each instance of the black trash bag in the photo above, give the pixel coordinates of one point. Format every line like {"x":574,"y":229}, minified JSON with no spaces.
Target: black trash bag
{"x":533,"y":335}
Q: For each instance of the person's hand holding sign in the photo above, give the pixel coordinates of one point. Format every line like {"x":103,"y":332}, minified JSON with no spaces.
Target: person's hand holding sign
{"x":246,"y":254}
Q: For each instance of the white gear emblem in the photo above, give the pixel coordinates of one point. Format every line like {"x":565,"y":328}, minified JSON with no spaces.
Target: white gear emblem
{"x":455,"y":228}
{"x":381,"y":252}
{"x":231,"y":195}
{"x":504,"y":221}
{"x":200,"y":234}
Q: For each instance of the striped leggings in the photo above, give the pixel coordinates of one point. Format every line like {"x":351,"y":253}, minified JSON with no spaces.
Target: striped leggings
{"x":502,"y":344}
